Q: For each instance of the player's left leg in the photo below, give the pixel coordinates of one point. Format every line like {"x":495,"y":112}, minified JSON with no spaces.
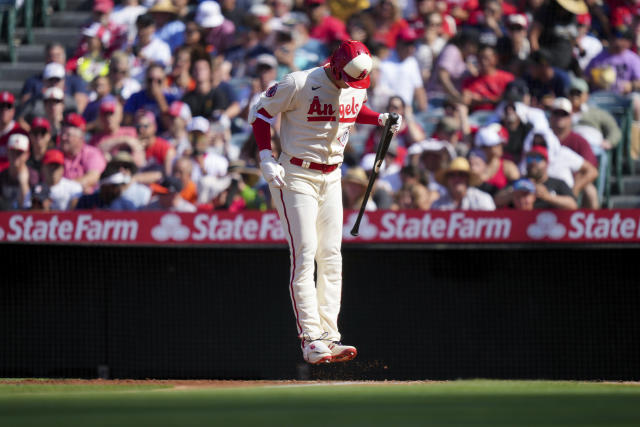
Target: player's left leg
{"x":329,"y":226}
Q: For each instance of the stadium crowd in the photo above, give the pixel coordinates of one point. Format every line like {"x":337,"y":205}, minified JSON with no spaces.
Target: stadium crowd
{"x":150,"y":110}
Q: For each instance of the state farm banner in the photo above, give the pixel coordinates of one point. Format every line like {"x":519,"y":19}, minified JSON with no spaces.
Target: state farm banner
{"x":207,"y":228}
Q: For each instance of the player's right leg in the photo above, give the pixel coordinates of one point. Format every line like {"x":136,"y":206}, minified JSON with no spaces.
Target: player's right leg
{"x":298,"y":213}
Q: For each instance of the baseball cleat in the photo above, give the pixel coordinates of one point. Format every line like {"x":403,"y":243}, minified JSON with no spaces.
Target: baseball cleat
{"x":341,"y":352}
{"x":315,"y":352}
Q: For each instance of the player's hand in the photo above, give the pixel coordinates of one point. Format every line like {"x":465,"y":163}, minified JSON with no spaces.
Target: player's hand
{"x":273,"y":172}
{"x":382,"y":120}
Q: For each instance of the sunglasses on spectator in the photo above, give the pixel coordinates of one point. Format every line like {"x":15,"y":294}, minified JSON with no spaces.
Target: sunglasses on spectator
{"x":435,"y":23}
{"x":575,"y":92}
{"x":537,"y":158}
{"x":516,"y":27}
{"x":6,"y":105}
{"x":457,"y":175}
{"x":152,"y":80}
{"x":54,"y":80}
{"x":53,"y":101}
{"x":116,"y":71}
{"x":39,"y":132}
{"x":559,"y":113}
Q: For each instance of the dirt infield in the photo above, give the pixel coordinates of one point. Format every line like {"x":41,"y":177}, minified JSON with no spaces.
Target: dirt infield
{"x":189,"y":384}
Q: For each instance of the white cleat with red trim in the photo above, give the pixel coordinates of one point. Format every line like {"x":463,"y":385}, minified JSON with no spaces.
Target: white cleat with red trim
{"x":341,"y":352}
{"x":315,"y":352}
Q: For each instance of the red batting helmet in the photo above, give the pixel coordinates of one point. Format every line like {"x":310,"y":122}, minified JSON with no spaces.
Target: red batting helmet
{"x":352,"y":63}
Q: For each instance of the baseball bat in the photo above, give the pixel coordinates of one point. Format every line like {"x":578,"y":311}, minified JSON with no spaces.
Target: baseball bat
{"x":383,"y":146}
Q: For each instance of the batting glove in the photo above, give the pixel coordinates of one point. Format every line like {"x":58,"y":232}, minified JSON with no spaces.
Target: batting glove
{"x":382,"y":120}
{"x":273,"y":172}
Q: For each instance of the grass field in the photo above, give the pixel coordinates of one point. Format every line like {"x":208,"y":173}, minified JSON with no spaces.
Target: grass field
{"x":455,"y":403}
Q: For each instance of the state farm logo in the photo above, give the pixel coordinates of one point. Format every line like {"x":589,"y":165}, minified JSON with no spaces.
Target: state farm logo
{"x":366,"y":231}
{"x":170,"y":228}
{"x":546,"y":225}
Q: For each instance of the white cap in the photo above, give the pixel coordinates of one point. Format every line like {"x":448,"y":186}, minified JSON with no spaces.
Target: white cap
{"x":18,"y":141}
{"x":53,"y":70}
{"x":199,"y":124}
{"x":116,"y":178}
{"x":267,"y":59}
{"x":368,"y":160}
{"x":208,"y":15}
{"x":491,"y":135}
{"x":54,"y":93}
{"x":518,"y":19}
{"x":562,"y":104}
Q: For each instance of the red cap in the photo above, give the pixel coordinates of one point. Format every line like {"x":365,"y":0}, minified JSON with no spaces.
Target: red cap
{"x":7,"y":97}
{"x":584,"y":19}
{"x":103,"y":6}
{"x":407,"y":35}
{"x":539,"y":149}
{"x":108,"y":106}
{"x":75,"y":120}
{"x":40,"y":123}
{"x":53,"y":156}
{"x":352,"y":63}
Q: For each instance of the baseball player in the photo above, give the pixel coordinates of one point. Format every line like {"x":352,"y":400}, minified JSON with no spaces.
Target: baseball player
{"x":318,"y":107}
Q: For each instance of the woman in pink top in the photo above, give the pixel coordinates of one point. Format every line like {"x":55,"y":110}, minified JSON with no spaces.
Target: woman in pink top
{"x":82,"y":163}
{"x":498,"y":172}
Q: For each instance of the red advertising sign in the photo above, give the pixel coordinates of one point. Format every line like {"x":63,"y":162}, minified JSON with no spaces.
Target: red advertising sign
{"x":251,"y":227}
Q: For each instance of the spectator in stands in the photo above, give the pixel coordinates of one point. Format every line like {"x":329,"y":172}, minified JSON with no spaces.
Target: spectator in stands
{"x":562,"y":162}
{"x":266,"y":69}
{"x":82,"y":162}
{"x":324,"y":27}
{"x":74,"y":86}
{"x":431,"y":41}
{"x":122,"y":85}
{"x":39,"y":141}
{"x":454,"y":65}
{"x":461,"y":193}
{"x":101,"y":86}
{"x":485,"y":90}
{"x":402,"y":62}
{"x":524,"y":194}
{"x":586,"y":46}
{"x":561,"y":125}
{"x":433,"y":156}
{"x":499,"y":171}
{"x":137,"y":193}
{"x":158,"y":152}
{"x":554,"y":28}
{"x":385,"y":22}
{"x":179,"y":80}
{"x":212,"y":97}
{"x":168,"y":197}
{"x":354,"y":185}
{"x":514,"y":48}
{"x":125,"y":16}
{"x":414,"y":196}
{"x":594,"y":124}
{"x":17,"y":179}
{"x":8,"y":126}
{"x":177,"y":134}
{"x":154,"y":98}
{"x":410,"y":131}
{"x":183,"y":169}
{"x":616,"y":68}
{"x":109,"y":134}
{"x":545,"y":81}
{"x":109,"y":195}
{"x":219,"y":32}
{"x":148,"y":49}
{"x":551,"y":193}
{"x":488,"y":22}
{"x":64,"y":192}
{"x":169,"y":29}
{"x":93,"y":62}
{"x":53,"y":84}
{"x":41,"y":198}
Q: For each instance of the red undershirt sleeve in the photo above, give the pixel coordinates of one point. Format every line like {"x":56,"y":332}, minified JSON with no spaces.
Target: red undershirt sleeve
{"x":367,"y":116}
{"x":262,"y":131}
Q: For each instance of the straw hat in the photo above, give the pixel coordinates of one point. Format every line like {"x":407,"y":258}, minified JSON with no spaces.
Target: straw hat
{"x":577,"y":7}
{"x":357,"y":175}
{"x":164,"y":6}
{"x":459,"y":164}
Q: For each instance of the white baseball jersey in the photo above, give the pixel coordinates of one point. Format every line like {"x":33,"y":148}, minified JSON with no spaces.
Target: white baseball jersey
{"x":316,"y":114}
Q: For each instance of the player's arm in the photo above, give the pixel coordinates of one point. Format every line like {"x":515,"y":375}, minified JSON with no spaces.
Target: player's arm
{"x":367,"y":116}
{"x":273,"y":172}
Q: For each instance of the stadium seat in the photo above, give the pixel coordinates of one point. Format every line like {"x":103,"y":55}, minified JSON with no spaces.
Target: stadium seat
{"x":620,"y":108}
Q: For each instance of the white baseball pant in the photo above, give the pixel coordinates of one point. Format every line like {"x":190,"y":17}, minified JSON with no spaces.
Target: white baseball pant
{"x":310,"y":210}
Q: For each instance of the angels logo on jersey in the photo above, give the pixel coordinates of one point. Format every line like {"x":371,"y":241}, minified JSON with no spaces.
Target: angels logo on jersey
{"x":271,"y":91}
{"x":349,"y":112}
{"x":320,"y":112}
